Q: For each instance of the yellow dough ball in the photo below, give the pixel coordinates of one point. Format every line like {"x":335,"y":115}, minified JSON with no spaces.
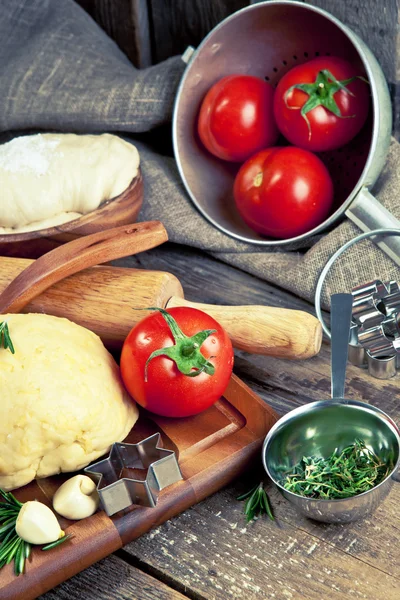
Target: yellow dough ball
{"x":62,"y":400}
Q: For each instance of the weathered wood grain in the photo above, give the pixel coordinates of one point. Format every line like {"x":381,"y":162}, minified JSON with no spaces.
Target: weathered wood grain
{"x":127,"y":23}
{"x":177,"y":24}
{"x":209,"y":280}
{"x":286,"y":385}
{"x":299,"y":559}
{"x":149,"y":31}
{"x":113,"y":578}
{"x":331,"y":560}
{"x":211,"y":549}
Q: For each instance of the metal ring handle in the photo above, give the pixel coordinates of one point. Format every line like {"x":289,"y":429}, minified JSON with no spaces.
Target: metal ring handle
{"x":333,"y":258}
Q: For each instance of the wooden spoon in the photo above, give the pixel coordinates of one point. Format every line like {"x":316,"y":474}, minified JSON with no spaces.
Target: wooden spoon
{"x":77,"y":255}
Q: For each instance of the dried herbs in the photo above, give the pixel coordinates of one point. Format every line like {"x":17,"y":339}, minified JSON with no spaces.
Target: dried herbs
{"x":354,"y":470}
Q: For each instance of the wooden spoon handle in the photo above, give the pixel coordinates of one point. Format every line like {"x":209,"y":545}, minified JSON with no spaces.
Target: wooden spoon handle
{"x":281,"y":332}
{"x":84,"y":252}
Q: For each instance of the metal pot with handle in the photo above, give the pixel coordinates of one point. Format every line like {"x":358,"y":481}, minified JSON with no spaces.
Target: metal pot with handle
{"x":267,"y":39}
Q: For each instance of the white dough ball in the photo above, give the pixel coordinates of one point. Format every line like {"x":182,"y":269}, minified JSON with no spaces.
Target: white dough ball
{"x":51,"y":178}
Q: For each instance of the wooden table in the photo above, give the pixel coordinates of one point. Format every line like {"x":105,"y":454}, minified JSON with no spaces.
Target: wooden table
{"x":209,"y":552}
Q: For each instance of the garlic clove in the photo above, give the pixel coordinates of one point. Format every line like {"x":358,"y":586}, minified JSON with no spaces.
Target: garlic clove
{"x":77,"y":498}
{"x":37,"y":524}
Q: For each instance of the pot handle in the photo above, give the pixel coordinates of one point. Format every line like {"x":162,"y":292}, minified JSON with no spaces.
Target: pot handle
{"x":367,"y":213}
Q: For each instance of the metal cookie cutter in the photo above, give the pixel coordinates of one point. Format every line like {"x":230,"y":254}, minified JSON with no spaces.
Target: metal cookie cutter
{"x":375,"y":332}
{"x":134,"y":474}
{"x":375,"y":308}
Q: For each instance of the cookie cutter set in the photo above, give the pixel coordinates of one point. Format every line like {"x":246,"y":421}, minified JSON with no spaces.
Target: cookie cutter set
{"x":375,"y":337}
{"x":374,"y":340}
{"x":134,"y":474}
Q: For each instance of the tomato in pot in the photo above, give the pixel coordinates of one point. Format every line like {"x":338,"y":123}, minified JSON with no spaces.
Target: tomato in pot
{"x":283,"y":192}
{"x":236,"y":117}
{"x":321,"y":104}
{"x":177,"y":363}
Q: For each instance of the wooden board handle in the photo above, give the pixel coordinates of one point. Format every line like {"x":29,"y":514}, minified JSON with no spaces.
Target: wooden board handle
{"x":280,"y":332}
{"x":77,"y":255}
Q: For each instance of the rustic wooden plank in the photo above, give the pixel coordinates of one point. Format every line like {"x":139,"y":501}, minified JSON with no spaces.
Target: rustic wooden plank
{"x":301,"y":559}
{"x":177,"y":24}
{"x":211,"y":549}
{"x":208,"y":280}
{"x":374,"y":541}
{"x":288,"y":384}
{"x":113,"y":578}
{"x":362,"y":556}
{"x":127,"y":23}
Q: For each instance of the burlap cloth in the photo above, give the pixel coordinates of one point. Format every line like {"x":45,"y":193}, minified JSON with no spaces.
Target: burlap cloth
{"x":60,"y":72}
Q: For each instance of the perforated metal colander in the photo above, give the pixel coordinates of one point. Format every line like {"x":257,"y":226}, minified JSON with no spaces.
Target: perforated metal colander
{"x":266,"y":40}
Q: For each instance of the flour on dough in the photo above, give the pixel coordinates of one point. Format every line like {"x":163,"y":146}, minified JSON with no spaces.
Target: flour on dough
{"x":48,"y":179}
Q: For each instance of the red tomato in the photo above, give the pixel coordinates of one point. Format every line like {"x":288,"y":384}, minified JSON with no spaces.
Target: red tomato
{"x":320,"y":128}
{"x":167,"y":391}
{"x":236,"y":117}
{"x":283,"y":192}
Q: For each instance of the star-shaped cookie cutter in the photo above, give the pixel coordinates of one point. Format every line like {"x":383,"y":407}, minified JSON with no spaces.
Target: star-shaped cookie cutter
{"x":118,"y":482}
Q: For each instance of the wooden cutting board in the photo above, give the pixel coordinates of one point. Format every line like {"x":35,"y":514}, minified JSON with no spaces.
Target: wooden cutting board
{"x":213,"y":448}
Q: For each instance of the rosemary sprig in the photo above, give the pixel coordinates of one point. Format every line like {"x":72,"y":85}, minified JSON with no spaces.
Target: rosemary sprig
{"x":354,"y":470}
{"x":57,"y":542}
{"x":12,"y":547}
{"x":257,"y":503}
{"x":5,"y":339}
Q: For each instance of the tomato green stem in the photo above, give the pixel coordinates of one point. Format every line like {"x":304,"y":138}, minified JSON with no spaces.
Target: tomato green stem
{"x":321,"y":93}
{"x":186,"y":350}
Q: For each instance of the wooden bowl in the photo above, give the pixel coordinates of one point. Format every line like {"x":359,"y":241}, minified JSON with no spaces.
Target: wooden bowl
{"x":121,"y":210}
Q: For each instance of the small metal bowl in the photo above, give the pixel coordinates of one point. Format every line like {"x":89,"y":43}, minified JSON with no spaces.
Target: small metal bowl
{"x":317,"y":429}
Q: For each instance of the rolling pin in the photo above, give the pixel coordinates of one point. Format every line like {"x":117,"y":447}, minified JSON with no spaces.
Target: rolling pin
{"x":65,"y":283}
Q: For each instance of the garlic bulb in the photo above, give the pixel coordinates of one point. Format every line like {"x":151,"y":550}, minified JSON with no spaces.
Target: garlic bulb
{"x":37,"y":524}
{"x":77,"y":498}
